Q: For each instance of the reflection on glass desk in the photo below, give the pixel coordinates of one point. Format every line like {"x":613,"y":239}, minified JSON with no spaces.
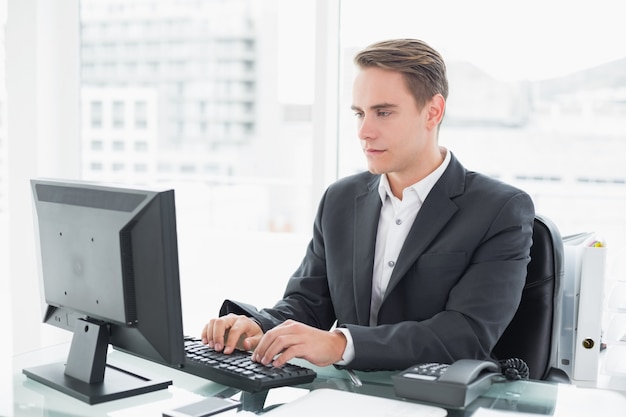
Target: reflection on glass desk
{"x":31,"y":398}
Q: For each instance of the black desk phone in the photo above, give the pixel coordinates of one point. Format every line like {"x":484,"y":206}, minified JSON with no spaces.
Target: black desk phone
{"x":453,"y":385}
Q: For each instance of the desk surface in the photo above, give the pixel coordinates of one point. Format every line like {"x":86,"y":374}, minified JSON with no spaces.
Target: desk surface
{"x":31,"y":398}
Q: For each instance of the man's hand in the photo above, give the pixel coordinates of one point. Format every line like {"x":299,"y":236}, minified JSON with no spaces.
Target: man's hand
{"x":231,"y":331}
{"x":296,"y":340}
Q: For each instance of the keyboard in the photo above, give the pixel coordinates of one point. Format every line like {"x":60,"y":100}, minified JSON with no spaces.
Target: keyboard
{"x":237,"y":370}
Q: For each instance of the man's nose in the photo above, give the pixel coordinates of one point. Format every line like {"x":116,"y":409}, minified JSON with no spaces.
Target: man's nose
{"x":366,"y":128}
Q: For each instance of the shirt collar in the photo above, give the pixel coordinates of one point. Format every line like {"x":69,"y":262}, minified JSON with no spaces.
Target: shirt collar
{"x":422,"y":187}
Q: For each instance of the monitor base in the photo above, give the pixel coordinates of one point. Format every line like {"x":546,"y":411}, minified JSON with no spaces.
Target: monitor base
{"x":118,"y":383}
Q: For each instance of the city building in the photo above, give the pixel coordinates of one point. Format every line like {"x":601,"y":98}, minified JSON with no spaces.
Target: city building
{"x":171,"y":80}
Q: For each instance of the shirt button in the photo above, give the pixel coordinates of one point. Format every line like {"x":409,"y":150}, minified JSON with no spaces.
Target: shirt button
{"x":391,"y":264}
{"x":398,"y":222}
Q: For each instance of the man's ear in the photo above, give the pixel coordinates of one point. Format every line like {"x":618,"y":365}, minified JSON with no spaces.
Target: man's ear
{"x":436,"y":107}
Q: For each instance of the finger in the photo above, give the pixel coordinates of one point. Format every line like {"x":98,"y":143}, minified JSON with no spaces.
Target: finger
{"x":290,"y":342}
{"x":276,"y":341}
{"x":244,"y":334}
{"x":264,"y":342}
{"x":220,"y":328}
{"x":207,"y":333}
{"x":235,"y":334}
{"x":287,"y":354}
{"x":213,"y":335}
{"x":250,"y":343}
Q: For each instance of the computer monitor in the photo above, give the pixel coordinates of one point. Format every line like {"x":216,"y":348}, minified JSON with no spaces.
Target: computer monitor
{"x":109,"y":266}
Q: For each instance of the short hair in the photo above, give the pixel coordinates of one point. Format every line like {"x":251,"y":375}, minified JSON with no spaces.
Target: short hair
{"x":423,"y":67}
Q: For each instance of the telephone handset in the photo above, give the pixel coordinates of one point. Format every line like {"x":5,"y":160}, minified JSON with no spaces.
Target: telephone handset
{"x":466,"y":371}
{"x":455,"y":385}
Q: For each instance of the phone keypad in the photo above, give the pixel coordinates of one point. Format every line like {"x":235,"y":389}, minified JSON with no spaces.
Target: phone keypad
{"x":427,"y":371}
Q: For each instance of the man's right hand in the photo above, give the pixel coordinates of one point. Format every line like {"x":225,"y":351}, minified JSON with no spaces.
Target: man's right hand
{"x":232,"y":331}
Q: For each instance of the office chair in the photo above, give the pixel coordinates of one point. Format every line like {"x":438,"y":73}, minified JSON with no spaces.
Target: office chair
{"x":533,"y":334}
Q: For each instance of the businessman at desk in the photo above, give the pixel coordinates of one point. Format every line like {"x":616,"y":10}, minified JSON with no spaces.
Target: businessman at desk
{"x":416,"y":260}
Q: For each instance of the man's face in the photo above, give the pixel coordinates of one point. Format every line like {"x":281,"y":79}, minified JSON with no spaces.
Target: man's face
{"x":392,"y":130}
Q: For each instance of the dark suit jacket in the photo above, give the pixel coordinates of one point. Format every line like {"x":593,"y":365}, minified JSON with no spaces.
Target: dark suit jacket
{"x":456,"y":284}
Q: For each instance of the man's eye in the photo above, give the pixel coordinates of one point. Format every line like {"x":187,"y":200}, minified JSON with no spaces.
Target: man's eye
{"x":384,"y":113}
{"x":358,"y":114}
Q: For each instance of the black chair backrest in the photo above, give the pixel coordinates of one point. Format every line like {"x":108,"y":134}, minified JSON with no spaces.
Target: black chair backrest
{"x":530,"y":336}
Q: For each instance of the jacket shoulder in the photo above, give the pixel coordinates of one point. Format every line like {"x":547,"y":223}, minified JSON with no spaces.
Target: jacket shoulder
{"x":355,"y":183}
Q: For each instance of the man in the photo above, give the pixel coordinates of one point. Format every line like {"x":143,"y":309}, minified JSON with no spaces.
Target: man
{"x":417,"y":260}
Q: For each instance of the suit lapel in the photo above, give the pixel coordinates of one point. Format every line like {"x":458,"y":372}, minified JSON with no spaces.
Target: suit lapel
{"x":437,"y":210}
{"x":366,"y":214}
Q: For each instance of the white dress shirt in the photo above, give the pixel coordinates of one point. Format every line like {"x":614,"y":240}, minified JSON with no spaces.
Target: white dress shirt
{"x":396,"y":219}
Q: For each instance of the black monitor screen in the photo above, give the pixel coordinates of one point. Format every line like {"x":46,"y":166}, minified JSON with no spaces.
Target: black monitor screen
{"x":109,"y":264}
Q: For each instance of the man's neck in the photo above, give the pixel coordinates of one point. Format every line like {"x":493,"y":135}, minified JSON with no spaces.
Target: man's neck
{"x":399,"y":181}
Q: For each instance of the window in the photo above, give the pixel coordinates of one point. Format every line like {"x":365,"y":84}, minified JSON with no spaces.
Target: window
{"x":250,"y":194}
{"x":141,"y":114}
{"x":193,"y":101}
{"x":117,"y":166}
{"x":96,"y":114}
{"x":187,"y":168}
{"x":525,"y":106}
{"x":165,"y":168}
{"x":141,"y":146}
{"x":118,"y":146}
{"x":96,"y":145}
{"x":118,"y":114}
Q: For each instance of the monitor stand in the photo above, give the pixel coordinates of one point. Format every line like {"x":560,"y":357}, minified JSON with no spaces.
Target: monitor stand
{"x":86,"y":376}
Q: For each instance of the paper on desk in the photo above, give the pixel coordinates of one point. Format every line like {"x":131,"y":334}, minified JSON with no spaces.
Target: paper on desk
{"x":332,"y":402}
{"x":489,"y":412}
{"x":179,"y":398}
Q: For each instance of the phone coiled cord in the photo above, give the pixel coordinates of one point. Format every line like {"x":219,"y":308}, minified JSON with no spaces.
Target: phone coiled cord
{"x":514,"y":369}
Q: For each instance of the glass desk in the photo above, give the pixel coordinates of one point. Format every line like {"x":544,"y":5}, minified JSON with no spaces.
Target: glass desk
{"x":31,"y":398}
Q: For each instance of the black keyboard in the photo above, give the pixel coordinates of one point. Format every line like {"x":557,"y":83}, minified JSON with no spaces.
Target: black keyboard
{"x":237,"y":370}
